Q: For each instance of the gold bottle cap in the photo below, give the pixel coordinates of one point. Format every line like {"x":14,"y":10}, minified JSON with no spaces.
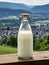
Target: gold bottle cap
{"x":25,"y":15}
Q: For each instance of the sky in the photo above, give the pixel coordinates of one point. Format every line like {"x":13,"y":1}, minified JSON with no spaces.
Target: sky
{"x":28,"y":2}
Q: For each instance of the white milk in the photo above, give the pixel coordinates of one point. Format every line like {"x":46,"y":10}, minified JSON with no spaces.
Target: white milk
{"x":25,"y":44}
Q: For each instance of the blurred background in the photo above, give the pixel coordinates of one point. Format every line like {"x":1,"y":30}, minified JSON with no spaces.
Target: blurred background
{"x":10,"y":12}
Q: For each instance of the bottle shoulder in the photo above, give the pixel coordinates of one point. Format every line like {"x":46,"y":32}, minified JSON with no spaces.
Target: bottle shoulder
{"x":25,"y":26}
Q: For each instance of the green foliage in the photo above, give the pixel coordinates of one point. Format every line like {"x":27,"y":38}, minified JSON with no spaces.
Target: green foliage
{"x":3,"y":41}
{"x":37,"y":43}
{"x":12,"y":41}
{"x":42,"y":44}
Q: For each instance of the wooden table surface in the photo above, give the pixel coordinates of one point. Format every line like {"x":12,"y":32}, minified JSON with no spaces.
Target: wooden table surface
{"x":13,"y":58}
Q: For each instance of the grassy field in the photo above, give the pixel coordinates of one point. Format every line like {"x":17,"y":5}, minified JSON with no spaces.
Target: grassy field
{"x":7,"y":50}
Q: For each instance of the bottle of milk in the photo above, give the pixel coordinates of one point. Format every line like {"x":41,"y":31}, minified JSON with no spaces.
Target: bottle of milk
{"x":25,"y":38}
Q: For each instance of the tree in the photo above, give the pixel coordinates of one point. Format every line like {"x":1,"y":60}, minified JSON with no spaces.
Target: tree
{"x":45,"y":44}
{"x":3,"y":41}
{"x":12,"y":41}
{"x":37,"y":43}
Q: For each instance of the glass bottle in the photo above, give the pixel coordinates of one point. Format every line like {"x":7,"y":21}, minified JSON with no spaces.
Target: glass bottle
{"x":25,"y":38}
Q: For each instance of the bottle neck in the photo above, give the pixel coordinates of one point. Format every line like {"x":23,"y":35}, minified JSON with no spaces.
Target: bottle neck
{"x":24,"y":20}
{"x":25,"y":25}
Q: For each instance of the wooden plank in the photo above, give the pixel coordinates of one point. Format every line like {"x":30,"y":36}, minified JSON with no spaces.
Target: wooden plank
{"x":39,"y":58}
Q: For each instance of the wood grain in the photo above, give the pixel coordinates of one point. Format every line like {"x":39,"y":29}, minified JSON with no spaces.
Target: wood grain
{"x":39,"y":58}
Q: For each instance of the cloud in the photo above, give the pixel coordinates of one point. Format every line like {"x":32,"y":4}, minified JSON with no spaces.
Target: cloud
{"x":16,"y":1}
{"x":29,"y":2}
{"x":38,"y":2}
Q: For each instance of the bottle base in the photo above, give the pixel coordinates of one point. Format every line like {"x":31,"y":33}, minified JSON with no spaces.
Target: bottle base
{"x":25,"y":58}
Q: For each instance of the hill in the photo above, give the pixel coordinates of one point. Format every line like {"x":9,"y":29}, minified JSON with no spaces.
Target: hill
{"x":40,"y":9}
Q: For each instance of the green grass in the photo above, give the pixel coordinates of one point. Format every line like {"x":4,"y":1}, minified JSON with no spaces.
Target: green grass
{"x":7,"y":50}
